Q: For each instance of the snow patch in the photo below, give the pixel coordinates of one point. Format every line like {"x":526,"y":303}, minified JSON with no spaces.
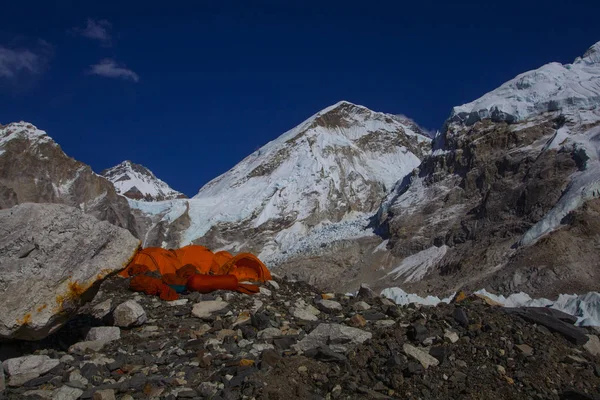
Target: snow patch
{"x":413,"y":268}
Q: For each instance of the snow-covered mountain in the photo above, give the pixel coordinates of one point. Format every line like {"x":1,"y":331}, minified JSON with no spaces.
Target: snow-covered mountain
{"x":33,"y":168}
{"x":139,"y":183}
{"x":316,"y":180}
{"x":510,"y":198}
{"x":554,"y":87}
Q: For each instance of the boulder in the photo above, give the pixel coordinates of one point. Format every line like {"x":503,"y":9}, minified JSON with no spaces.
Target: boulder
{"x":128,"y":314}
{"x":28,"y":367}
{"x":52,"y":260}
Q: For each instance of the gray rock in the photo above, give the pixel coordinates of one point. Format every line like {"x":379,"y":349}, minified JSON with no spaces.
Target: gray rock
{"x":45,"y":287}
{"x":106,"y":394}
{"x":366,"y":292}
{"x":593,"y":345}
{"x":204,"y":309}
{"x":329,"y":305}
{"x":269,"y":333}
{"x":451,"y":336}
{"x":305,"y":311}
{"x":101,"y":310}
{"x":66,"y":393}
{"x":77,"y":380}
{"x":36,"y":365}
{"x":105,"y":333}
{"x":425,"y":359}
{"x":526,"y":350}
{"x":38,"y":394}
{"x":327,"y":333}
{"x":83,"y":347}
{"x":273,"y":284}
{"x":360,"y":306}
{"x":2,"y":381}
{"x":21,"y":379}
{"x":129,"y":314}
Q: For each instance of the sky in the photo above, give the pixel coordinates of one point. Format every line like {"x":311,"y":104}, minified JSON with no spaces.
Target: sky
{"x":188,"y":89}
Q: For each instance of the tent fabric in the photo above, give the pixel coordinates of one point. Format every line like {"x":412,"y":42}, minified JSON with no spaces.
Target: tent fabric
{"x":194,"y":268}
{"x":244,"y":266}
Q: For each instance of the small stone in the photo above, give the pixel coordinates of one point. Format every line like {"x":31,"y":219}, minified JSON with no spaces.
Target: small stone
{"x":509,"y":380}
{"x":501,"y":370}
{"x":451,"y":336}
{"x":425,"y":359}
{"x":67,"y":358}
{"x":242,"y":319}
{"x":357,"y":321}
{"x":571,"y":359}
{"x":385,"y":323}
{"x":105,"y":333}
{"x":460,"y":316}
{"x":106,"y":394}
{"x":304,"y":314}
{"x":66,"y":393}
{"x":223,"y":333}
{"x":129,"y":314}
{"x":78,"y":381}
{"x":327,"y":296}
{"x":204,"y":309}
{"x":360,"y":306}
{"x":101,"y":310}
{"x":265,"y":292}
{"x":269,"y":358}
{"x":21,"y":379}
{"x":526,"y":350}
{"x":302,"y":369}
{"x":329,"y":306}
{"x":269,"y":333}
{"x":366,"y":292}
{"x":417,"y":333}
{"x":593,"y":345}
{"x":83,"y":347}
{"x":177,"y":303}
{"x":273,"y":284}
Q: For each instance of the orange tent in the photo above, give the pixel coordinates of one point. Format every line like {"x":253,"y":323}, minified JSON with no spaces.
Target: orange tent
{"x":244,"y":266}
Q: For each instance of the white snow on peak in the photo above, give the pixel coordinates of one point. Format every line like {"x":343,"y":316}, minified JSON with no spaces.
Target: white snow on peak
{"x":552,"y":87}
{"x":138,"y":182}
{"x":22,"y":130}
{"x":414,"y":267}
{"x":330,"y":162}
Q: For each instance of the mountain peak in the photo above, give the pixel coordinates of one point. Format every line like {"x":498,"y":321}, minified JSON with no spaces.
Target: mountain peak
{"x":551,"y":88}
{"x":592,"y":55}
{"x":139,"y":183}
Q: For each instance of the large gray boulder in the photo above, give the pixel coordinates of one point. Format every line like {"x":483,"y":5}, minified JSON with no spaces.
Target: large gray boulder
{"x":52,"y":260}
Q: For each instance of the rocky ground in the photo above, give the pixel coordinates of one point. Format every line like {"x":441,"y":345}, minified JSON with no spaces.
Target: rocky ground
{"x":293,"y":342}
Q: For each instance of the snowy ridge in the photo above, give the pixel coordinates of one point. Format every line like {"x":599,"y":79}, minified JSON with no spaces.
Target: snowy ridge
{"x":553,"y":87}
{"x":341,"y":160}
{"x":22,"y":130}
{"x":139,"y":183}
{"x":585,"y":307}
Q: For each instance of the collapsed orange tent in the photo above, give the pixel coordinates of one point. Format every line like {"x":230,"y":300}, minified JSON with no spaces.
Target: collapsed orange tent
{"x":177,"y":267}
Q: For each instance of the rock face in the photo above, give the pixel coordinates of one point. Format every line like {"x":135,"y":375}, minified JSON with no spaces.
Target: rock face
{"x":33,"y":168}
{"x":137,"y":182}
{"x":511,"y":188}
{"x":52,"y":258}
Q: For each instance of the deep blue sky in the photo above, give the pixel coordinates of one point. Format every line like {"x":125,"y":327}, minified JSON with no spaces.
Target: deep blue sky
{"x":218,"y":79}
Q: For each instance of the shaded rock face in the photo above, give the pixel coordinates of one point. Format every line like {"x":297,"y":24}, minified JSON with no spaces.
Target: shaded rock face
{"x":52,"y":260}
{"x":137,"y":182}
{"x":490,"y":185}
{"x":33,"y":168}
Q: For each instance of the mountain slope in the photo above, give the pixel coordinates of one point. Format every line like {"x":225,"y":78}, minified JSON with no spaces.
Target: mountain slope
{"x":333,"y":168}
{"x":137,"y":182}
{"x":510,"y":190}
{"x":33,"y":168}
